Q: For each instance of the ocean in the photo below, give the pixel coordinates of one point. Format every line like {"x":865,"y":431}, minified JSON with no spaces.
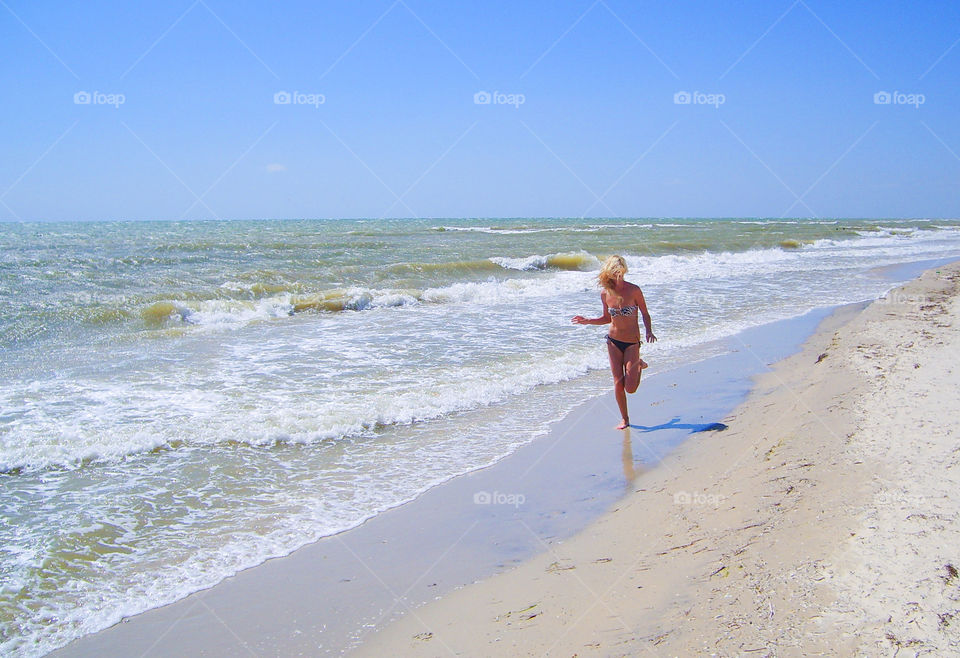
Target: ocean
{"x":183,"y":400}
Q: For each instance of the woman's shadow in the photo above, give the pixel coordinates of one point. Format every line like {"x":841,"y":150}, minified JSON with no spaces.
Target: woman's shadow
{"x":630,"y":472}
{"x":675,"y":424}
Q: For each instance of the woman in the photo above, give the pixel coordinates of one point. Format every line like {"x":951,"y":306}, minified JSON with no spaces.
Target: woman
{"x":622,"y":303}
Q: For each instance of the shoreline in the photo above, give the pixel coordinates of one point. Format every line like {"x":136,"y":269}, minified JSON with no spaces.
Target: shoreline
{"x":783,"y":534}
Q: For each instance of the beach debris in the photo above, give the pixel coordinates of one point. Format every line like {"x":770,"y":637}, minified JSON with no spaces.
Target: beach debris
{"x":675,"y":548}
{"x":722,"y":572}
{"x":900,"y":644}
{"x":525,"y":614}
{"x":773,"y":449}
{"x":951,"y":574}
{"x":945,"y":619}
{"x":660,"y":638}
{"x":821,"y":357}
{"x":426,"y":635}
{"x":557,"y":567}
{"x":603,"y":559}
{"x":748,"y":526}
{"x":740,"y":550}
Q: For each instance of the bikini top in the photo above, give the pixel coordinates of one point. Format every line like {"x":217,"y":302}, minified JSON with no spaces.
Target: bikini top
{"x":625,"y":311}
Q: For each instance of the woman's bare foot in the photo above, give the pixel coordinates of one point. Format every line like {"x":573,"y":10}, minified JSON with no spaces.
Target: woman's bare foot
{"x":624,"y":425}
{"x":643,"y":364}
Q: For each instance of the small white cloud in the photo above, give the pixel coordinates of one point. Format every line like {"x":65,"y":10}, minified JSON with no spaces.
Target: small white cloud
{"x":276,"y":166}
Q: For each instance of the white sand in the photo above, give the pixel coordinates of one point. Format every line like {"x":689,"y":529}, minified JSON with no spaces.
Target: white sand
{"x":822,"y":522}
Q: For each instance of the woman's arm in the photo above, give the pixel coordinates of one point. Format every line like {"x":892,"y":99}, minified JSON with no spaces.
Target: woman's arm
{"x":647,"y":324}
{"x":603,"y":319}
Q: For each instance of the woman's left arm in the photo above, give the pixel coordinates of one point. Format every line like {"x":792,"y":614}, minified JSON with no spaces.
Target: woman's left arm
{"x":647,"y":324}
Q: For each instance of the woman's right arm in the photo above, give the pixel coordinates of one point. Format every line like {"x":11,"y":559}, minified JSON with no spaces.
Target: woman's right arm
{"x":603,"y":319}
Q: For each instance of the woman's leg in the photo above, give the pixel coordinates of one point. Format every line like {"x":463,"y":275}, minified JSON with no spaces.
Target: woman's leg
{"x":616,"y":367}
{"x":632,"y":367}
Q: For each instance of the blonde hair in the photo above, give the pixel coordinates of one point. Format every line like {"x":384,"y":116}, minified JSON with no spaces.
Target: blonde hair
{"x":613,"y":268}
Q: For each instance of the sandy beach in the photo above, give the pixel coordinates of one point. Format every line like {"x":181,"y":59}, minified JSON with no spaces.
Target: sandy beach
{"x":820,"y":522}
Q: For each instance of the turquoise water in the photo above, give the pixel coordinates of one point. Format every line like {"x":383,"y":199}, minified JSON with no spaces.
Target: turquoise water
{"x":182,"y":400}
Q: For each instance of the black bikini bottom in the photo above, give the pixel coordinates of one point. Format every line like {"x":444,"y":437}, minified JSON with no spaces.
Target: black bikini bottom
{"x":620,"y":345}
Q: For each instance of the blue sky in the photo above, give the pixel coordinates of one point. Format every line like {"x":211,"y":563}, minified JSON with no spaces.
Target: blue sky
{"x":586,"y":121}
